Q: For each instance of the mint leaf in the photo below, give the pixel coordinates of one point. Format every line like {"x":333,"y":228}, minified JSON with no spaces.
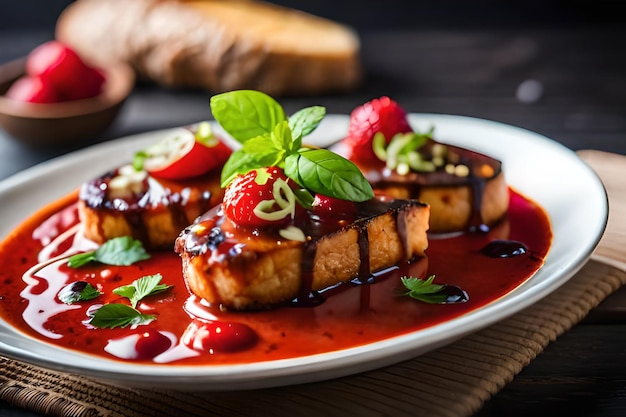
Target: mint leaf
{"x":245,"y":114}
{"x":78,"y":291}
{"x":327,"y":173}
{"x":121,"y":251}
{"x":305,"y":121}
{"x":142,"y":288}
{"x":424,"y":290}
{"x":118,"y":315}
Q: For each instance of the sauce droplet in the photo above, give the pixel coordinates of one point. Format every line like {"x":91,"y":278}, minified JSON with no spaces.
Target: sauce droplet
{"x":151,"y":343}
{"x":454,"y":294}
{"x":504,"y":249}
{"x":218,"y":336}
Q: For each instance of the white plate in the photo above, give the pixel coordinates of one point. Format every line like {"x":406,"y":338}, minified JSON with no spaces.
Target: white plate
{"x":541,"y":169}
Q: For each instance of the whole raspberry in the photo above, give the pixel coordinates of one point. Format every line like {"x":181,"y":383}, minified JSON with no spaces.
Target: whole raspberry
{"x":379,"y":115}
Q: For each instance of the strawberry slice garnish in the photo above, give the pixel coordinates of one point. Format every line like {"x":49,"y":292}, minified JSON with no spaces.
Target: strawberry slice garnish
{"x":260,"y":198}
{"x":186,"y":154}
{"x":382,"y":115}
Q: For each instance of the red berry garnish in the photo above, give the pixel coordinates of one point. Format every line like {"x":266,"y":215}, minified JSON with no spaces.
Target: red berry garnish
{"x":256,"y":190}
{"x":186,"y":154}
{"x":379,"y":115}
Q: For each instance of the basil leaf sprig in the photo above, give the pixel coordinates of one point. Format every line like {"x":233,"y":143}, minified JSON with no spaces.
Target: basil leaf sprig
{"x":121,"y":251}
{"x":114,"y":315}
{"x":117,"y":315}
{"x":269,"y":138}
{"x":142,"y":288}
{"x":78,"y":291}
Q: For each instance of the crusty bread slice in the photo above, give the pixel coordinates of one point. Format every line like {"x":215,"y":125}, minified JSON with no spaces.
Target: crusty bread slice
{"x":240,"y":271}
{"x":216,"y":45}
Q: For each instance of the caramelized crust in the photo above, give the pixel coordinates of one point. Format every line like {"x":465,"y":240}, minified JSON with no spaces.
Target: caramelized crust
{"x":243,"y":270}
{"x":452,"y":206}
{"x":155,"y":216}
{"x":475,"y":200}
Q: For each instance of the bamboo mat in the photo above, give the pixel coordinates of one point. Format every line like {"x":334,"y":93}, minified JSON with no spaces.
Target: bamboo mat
{"x":454,"y":380}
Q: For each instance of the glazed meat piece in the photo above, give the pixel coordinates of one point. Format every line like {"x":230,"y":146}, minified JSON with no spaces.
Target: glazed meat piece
{"x":247,"y":269}
{"x":167,"y":186}
{"x":465,"y":189}
{"x":466,"y":192}
{"x":125,"y":202}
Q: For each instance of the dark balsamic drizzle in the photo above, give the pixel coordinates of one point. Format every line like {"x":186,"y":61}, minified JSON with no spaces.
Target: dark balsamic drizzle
{"x":414,"y":182}
{"x":501,"y":248}
{"x":454,"y":294}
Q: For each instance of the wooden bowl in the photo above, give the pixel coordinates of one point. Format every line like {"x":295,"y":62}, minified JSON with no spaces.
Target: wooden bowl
{"x":65,"y":123}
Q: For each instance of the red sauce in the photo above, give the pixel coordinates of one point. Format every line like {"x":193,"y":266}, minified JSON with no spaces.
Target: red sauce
{"x":352,"y":315}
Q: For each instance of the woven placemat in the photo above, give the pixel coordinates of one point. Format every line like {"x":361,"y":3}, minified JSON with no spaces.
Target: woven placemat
{"x":454,"y":380}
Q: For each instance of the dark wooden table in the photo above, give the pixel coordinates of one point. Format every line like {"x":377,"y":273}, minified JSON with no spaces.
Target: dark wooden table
{"x":474,"y":72}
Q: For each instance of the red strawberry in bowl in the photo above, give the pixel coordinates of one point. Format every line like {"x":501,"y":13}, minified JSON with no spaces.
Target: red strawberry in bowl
{"x":261,"y":198}
{"x":62,"y":68}
{"x":382,"y":115}
{"x":33,"y":89}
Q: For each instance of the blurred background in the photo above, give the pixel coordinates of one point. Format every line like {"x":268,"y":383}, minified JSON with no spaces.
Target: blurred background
{"x":556,"y":67}
{"x":375,"y":15}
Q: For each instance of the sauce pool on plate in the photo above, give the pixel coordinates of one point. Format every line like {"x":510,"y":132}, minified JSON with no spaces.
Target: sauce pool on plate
{"x":186,"y":331}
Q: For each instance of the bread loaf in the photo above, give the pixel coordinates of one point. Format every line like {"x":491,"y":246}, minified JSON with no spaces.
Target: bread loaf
{"x":216,"y":45}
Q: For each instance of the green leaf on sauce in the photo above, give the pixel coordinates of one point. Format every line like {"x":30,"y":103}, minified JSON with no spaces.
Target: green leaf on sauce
{"x":118,"y":315}
{"x":121,"y":251}
{"x":142,"y":288}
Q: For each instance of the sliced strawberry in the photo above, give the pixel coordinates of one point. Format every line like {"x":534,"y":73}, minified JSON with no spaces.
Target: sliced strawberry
{"x":379,"y":115}
{"x":33,"y":90}
{"x":184,"y":155}
{"x":251,"y":200}
{"x":63,"y":68}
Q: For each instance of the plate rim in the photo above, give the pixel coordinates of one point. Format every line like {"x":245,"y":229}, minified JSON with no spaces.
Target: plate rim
{"x":326,"y":365}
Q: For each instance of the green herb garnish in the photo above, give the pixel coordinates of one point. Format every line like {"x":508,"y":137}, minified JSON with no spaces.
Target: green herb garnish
{"x":142,"y":288}
{"x":78,"y":291}
{"x":424,"y":290}
{"x":269,"y":138}
{"x":121,"y":251}
{"x":404,"y":152}
{"x":118,"y":315}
